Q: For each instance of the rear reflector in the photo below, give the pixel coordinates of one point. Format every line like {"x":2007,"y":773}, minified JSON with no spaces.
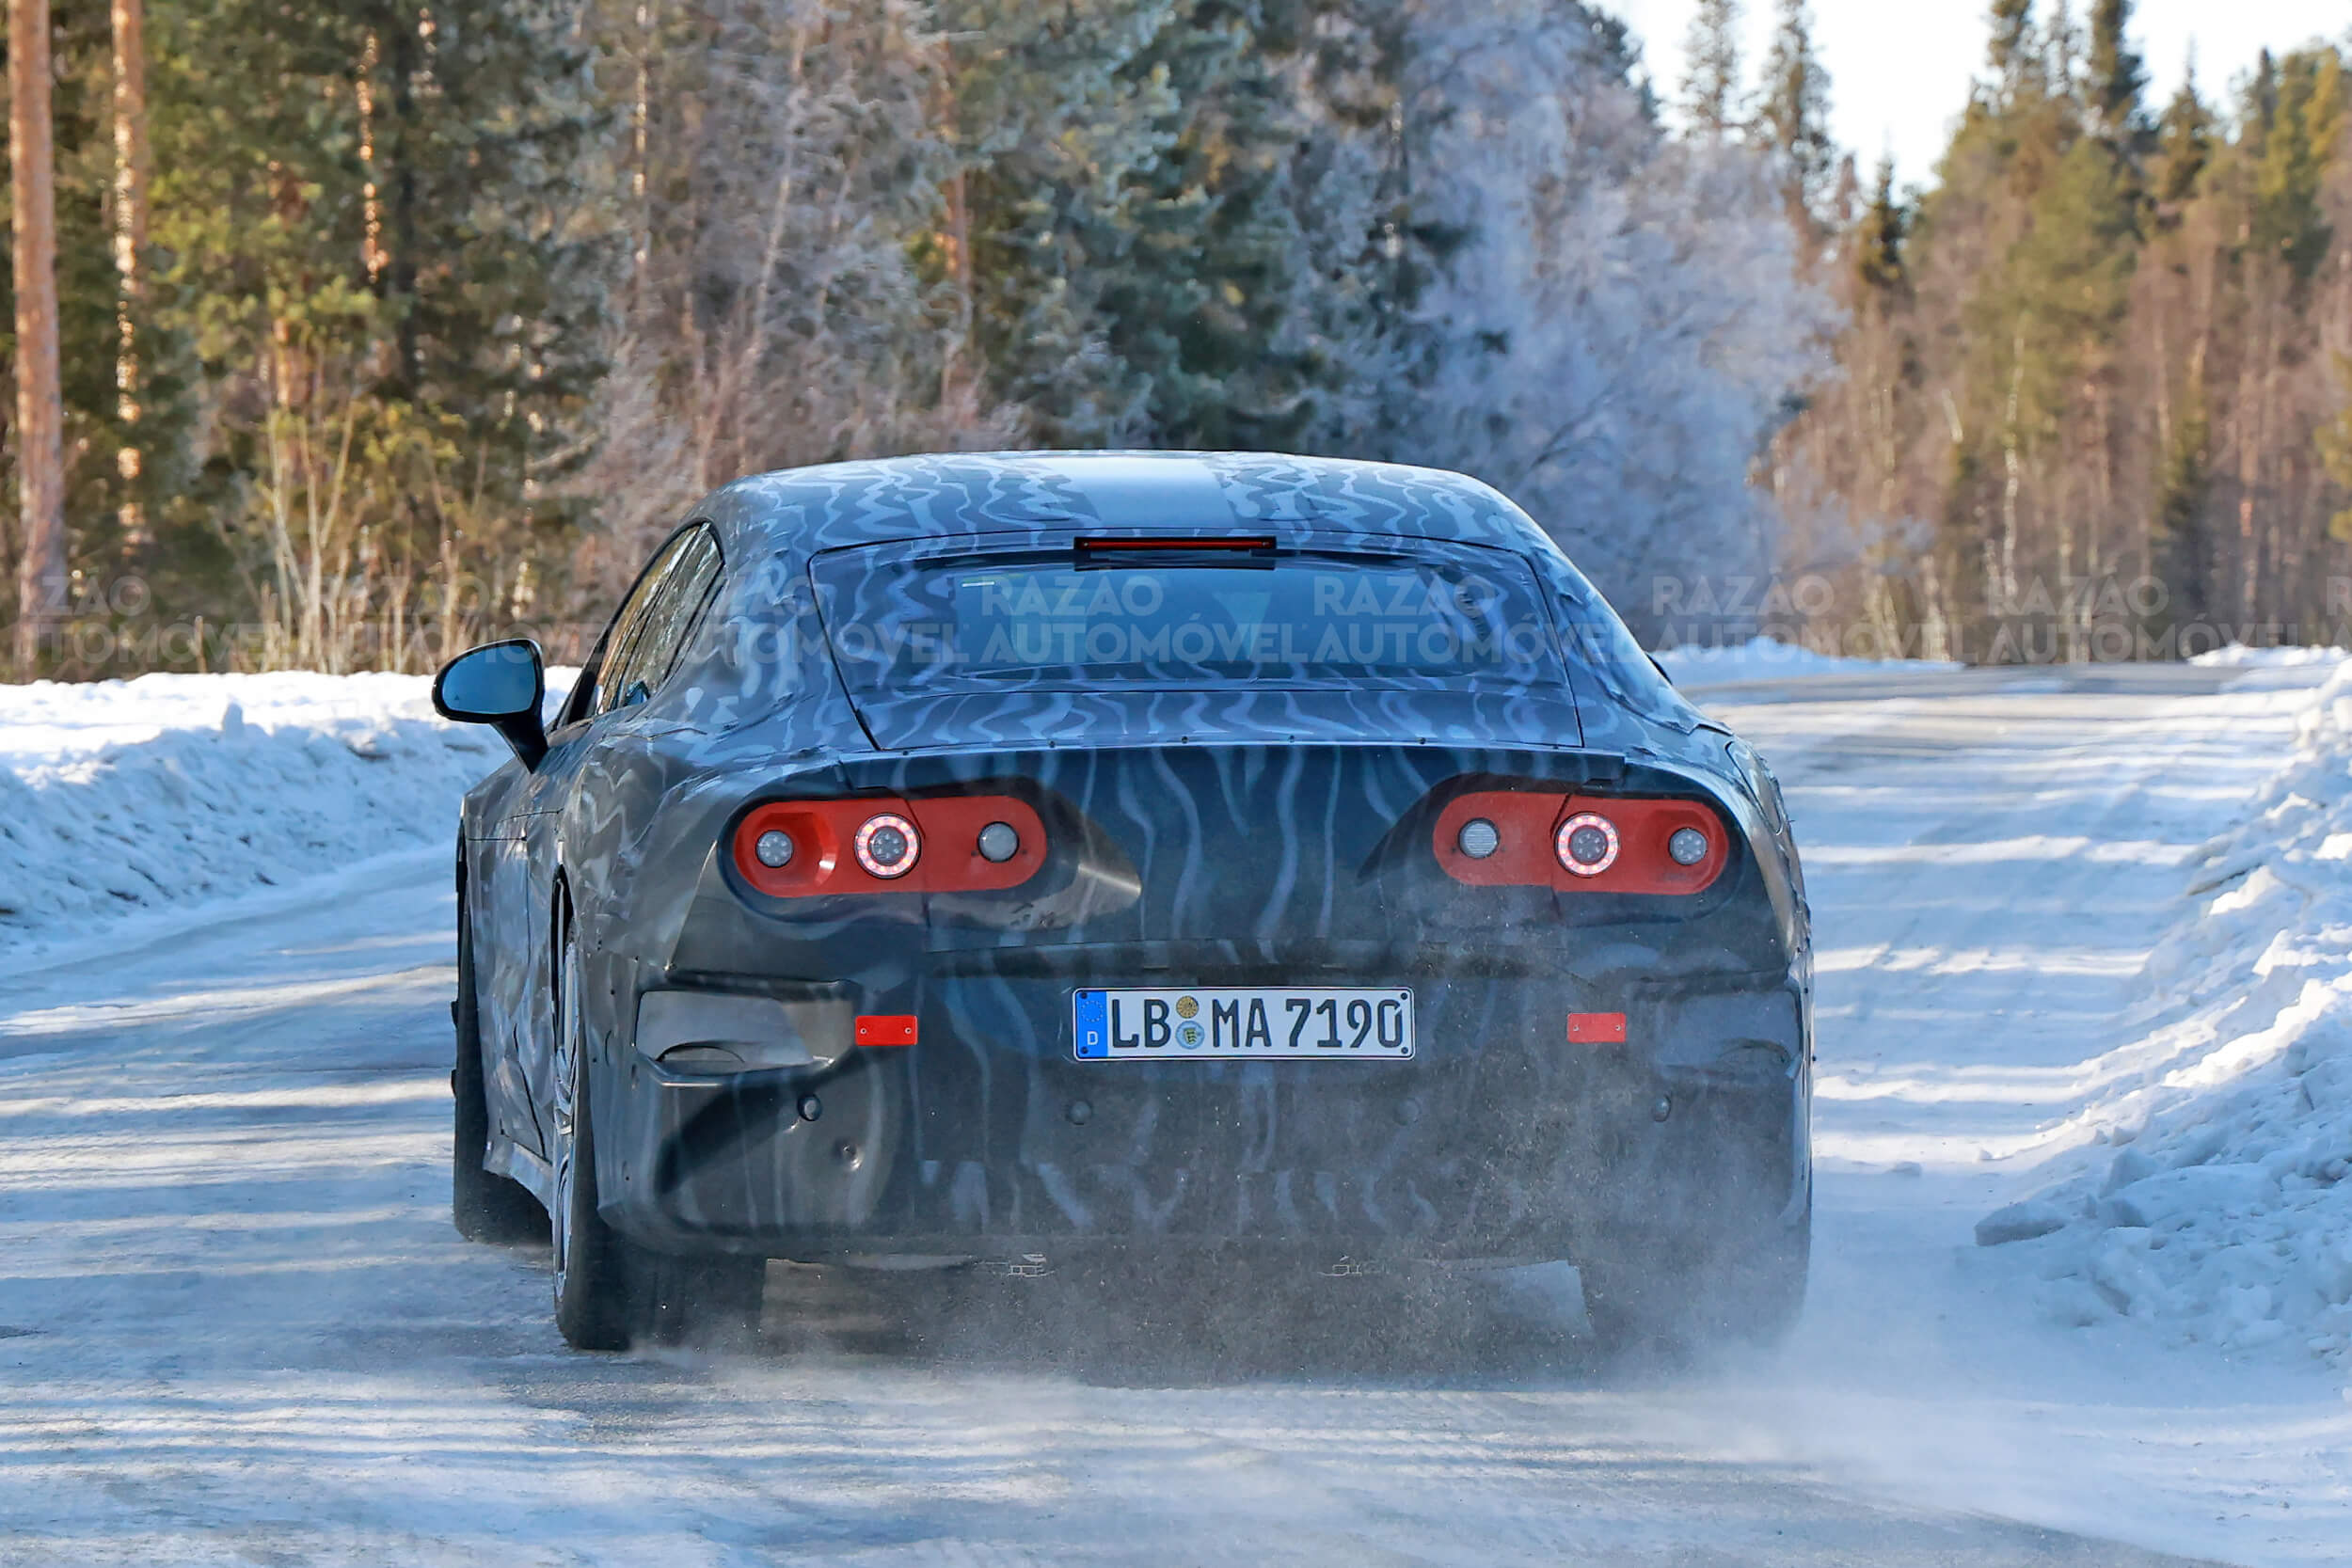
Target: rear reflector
{"x":899,"y":1029}
{"x":1591,"y":1028}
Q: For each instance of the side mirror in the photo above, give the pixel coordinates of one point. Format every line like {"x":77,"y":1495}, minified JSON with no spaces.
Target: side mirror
{"x":501,"y":684}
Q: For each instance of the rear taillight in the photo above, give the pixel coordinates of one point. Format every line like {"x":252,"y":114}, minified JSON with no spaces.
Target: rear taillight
{"x":950,"y":844}
{"x":1526,"y":838}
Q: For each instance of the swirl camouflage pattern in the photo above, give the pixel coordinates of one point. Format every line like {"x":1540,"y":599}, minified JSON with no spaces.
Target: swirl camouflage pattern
{"x":993,"y":861}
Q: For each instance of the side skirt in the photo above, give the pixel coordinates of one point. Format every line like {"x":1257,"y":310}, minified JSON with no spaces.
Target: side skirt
{"x":510,"y":1160}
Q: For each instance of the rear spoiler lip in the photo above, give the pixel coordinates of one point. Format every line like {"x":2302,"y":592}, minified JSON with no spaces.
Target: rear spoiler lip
{"x":1057,"y":720}
{"x":951,"y":769}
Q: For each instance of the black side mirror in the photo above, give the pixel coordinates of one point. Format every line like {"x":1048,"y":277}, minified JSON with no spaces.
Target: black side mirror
{"x":501,"y":684}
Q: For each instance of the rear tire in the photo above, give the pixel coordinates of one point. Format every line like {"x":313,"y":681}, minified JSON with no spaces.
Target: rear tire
{"x":611,"y":1293}
{"x":699,"y":1300}
{"x":1676,"y":1298}
{"x":484,"y":1208}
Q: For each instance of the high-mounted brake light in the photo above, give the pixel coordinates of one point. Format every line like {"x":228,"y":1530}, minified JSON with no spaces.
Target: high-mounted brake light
{"x":1539,"y":838}
{"x":944,"y":844}
{"x":1244,"y":541}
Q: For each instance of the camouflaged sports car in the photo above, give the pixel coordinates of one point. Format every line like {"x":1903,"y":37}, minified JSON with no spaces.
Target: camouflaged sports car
{"x":993,"y":861}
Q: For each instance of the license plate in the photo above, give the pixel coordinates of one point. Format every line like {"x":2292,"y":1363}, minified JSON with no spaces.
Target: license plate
{"x":1245,"y":1023}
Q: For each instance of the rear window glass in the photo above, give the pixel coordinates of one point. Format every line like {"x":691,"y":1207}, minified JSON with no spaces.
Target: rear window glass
{"x":1302,"y":617}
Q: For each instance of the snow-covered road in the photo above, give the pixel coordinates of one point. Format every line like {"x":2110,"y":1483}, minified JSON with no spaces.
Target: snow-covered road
{"x":235,"y":1326}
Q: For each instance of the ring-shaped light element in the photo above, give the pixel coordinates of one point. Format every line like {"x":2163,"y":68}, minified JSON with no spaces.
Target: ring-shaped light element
{"x":1687,"y":846}
{"x":1479,"y":838}
{"x":773,"y":850}
{"x":999,"y":843}
{"x":1586,"y":844}
{"x":887,"y":846}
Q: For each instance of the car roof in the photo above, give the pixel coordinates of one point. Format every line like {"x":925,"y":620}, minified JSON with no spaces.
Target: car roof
{"x":944,"y":495}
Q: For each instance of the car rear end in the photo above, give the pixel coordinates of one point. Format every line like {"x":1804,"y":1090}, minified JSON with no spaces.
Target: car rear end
{"x":1372,"y":964}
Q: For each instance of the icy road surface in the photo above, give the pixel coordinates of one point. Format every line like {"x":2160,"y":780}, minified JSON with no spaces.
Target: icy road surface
{"x":235,"y":1326}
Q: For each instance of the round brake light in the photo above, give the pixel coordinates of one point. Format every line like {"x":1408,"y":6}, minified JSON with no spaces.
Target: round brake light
{"x":887,"y":846}
{"x":1586,"y":844}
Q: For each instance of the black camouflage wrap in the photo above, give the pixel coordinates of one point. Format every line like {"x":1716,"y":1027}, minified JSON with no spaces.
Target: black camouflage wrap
{"x":1226,"y":836}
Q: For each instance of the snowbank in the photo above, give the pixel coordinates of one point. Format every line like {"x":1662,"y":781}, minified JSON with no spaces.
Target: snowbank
{"x":2211,"y":1198}
{"x":2239,"y":653}
{"x":1765,"y":658}
{"x":173,"y":790}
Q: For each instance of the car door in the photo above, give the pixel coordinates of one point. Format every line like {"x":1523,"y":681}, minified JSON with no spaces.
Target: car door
{"x":635,"y":657}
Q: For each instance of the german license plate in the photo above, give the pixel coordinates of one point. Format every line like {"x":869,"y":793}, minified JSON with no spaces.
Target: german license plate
{"x":1319,"y":1024}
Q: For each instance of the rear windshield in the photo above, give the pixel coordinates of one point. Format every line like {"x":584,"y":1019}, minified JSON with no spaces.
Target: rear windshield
{"x":1183,"y":619}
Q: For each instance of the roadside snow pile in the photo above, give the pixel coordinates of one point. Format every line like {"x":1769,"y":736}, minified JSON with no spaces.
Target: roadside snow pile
{"x":122,"y":796}
{"x":1767,"y":658}
{"x":2225,"y":1214}
{"x":2239,"y":653}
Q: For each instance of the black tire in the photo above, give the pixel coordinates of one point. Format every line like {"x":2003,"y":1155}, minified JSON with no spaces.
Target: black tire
{"x":701,"y":1300}
{"x":1680,"y":1299}
{"x":484,"y":1208}
{"x":610,"y":1293}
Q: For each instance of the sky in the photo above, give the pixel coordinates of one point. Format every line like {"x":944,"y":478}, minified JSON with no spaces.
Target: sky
{"x":1900,"y":69}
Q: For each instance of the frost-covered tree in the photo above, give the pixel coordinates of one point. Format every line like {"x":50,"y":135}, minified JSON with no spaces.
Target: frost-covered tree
{"x":1617,"y":324}
{"x":780,"y":165}
{"x":1711,"y":82}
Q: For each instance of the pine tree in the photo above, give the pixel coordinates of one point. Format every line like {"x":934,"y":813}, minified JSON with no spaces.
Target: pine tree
{"x":1140,"y":255}
{"x":2183,"y":146}
{"x":2014,"y":64}
{"x":1206,"y":304}
{"x":1878,"y":254}
{"x":2289,"y":220}
{"x":1793,"y":116}
{"x":2118,"y":75}
{"x":2182,"y":548}
{"x":1711,"y":79}
{"x":375,"y":215}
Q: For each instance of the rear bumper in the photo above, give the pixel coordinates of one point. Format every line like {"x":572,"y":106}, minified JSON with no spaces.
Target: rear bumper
{"x":989,"y":1140}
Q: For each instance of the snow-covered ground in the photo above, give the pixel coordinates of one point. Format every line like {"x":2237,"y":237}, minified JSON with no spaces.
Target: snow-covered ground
{"x":1768,"y":659}
{"x":2202,"y":1183}
{"x":122,"y":799}
{"x":236,"y":1326}
{"x":2001,"y":874}
{"x":2239,"y":655}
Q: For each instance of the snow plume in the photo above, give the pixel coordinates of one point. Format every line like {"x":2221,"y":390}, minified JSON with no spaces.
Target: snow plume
{"x":2214,"y":1199}
{"x":169,"y":791}
{"x":1624,"y":322}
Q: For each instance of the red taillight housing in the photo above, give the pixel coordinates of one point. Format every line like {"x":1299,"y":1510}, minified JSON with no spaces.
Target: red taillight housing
{"x":950,"y":844}
{"x":1577,"y":843}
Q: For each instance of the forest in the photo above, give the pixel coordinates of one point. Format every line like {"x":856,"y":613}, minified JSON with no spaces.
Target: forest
{"x":373,"y":329}
{"x":2091,"y":385}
